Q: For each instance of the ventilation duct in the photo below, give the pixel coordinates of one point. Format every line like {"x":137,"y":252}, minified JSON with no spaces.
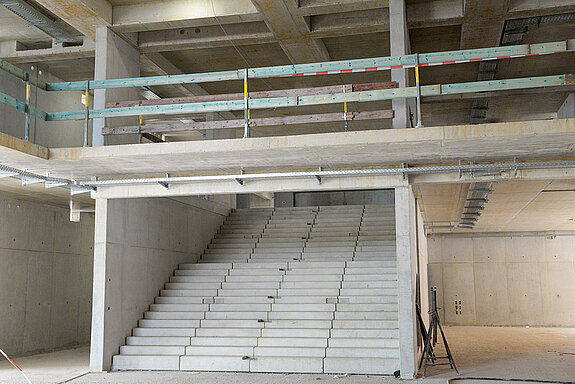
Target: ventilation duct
{"x":58,"y":31}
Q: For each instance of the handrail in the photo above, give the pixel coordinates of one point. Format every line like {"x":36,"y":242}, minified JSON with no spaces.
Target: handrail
{"x":335,"y":98}
{"x":331,"y":67}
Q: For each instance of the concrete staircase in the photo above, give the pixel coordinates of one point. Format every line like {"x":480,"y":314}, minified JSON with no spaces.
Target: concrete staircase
{"x":309,"y":289}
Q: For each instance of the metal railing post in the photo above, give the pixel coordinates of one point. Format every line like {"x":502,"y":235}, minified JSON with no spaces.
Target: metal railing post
{"x":246,"y":106}
{"x":27,"y":109}
{"x":418,"y":86}
{"x":86,"y":113}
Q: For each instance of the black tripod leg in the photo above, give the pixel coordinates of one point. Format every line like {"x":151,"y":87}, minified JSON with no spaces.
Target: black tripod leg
{"x":448,"y":350}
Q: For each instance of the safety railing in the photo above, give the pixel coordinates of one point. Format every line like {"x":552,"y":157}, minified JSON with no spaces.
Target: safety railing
{"x":294,"y":98}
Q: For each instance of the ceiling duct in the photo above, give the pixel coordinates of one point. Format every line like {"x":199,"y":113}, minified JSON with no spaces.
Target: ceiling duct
{"x":477,"y":197}
{"x":55,"y":29}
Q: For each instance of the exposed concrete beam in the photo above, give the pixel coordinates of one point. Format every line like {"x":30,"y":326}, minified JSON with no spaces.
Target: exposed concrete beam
{"x":292,"y":31}
{"x":232,"y":187}
{"x":182,"y":14}
{"x":164,"y":67}
{"x":434,"y":13}
{"x":205,"y":37}
{"x":483,"y":23}
{"x":319,"y":7}
{"x":84,"y":15}
{"x":526,"y":8}
{"x":10,"y":53}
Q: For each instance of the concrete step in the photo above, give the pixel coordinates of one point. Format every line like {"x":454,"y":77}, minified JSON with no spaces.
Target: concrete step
{"x":362,"y":352}
{"x":158,"y":340}
{"x":287,"y":364}
{"x":231,"y":324}
{"x":373,"y":315}
{"x":134,"y":362}
{"x":299,"y":324}
{"x":291,"y":332}
{"x":147,"y":323}
{"x":296,"y":278}
{"x":312,"y":285}
{"x":216,"y":350}
{"x":301,"y":315}
{"x":194,"y":285}
{"x":174,"y":315}
{"x":325,"y":292}
{"x":376,"y":366}
{"x":289,"y":351}
{"x":164,"y":332}
{"x":180,"y":307}
{"x":362,"y":343}
{"x":364,"y":333}
{"x":152,"y":350}
{"x":189,"y":292}
{"x":228,"y":332}
{"x":214,"y":363}
{"x":237,"y":315}
{"x":251,"y":285}
{"x":180,"y":300}
{"x":196,"y":279}
{"x":248,"y":292}
{"x":224,"y":341}
{"x":240,"y":307}
{"x":315,"y":342}
{"x":253,"y":278}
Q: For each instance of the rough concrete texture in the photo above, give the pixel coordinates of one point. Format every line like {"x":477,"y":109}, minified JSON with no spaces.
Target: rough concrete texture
{"x":138,"y":244}
{"x":45,"y":277}
{"x":534,"y":353}
{"x":504,"y":280}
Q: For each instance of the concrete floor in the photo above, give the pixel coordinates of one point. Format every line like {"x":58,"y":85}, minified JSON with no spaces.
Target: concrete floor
{"x":527,"y":353}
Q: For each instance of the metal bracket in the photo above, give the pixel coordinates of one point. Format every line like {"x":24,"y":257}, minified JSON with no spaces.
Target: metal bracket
{"x":318,"y":177}
{"x":8,"y":174}
{"x":403,"y":166}
{"x":240,"y":181}
{"x":165,"y":183}
{"x":26,"y":180}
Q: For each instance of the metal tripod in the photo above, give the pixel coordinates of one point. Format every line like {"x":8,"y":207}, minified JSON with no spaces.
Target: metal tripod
{"x":429,"y":359}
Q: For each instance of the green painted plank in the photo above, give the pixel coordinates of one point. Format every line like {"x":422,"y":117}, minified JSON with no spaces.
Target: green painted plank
{"x":21,"y":106}
{"x":364,"y":96}
{"x":300,"y":69}
{"x":499,"y":85}
{"x":19,"y":73}
{"x":146,"y":81}
{"x":214,"y":106}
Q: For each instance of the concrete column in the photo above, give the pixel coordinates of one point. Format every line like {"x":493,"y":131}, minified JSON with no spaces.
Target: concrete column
{"x":567,"y":110}
{"x":399,"y":39}
{"x":97,"y":353}
{"x":115,"y":59}
{"x":406,"y":250}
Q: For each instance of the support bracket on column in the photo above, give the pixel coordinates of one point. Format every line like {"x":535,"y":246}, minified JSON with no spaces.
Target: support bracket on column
{"x":239,"y":180}
{"x":165,"y":183}
{"x":318,"y":177}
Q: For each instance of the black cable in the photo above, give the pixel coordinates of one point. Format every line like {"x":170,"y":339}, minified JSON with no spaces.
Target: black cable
{"x":513,"y":380}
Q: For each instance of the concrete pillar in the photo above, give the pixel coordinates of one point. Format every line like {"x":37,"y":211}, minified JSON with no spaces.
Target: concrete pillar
{"x":98,"y":362}
{"x":399,"y":39}
{"x":406,"y":250}
{"x":567,"y":110}
{"x":115,"y":59}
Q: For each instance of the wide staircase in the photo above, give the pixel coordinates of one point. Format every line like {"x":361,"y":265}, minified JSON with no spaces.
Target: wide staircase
{"x":309,"y":289}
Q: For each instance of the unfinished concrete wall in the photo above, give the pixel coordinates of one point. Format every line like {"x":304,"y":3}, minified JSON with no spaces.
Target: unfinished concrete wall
{"x":45,"y":277}
{"x":138,"y":244}
{"x":515,"y":280}
{"x":49,"y":134}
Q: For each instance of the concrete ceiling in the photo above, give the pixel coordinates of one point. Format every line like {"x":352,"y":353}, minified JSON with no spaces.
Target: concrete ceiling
{"x":514,"y":206}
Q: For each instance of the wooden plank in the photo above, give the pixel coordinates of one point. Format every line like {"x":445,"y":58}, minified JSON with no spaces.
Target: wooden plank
{"x":24,"y":147}
{"x":255,"y":95}
{"x":363,"y":96}
{"x":437,"y":58}
{"x":263,"y":122}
